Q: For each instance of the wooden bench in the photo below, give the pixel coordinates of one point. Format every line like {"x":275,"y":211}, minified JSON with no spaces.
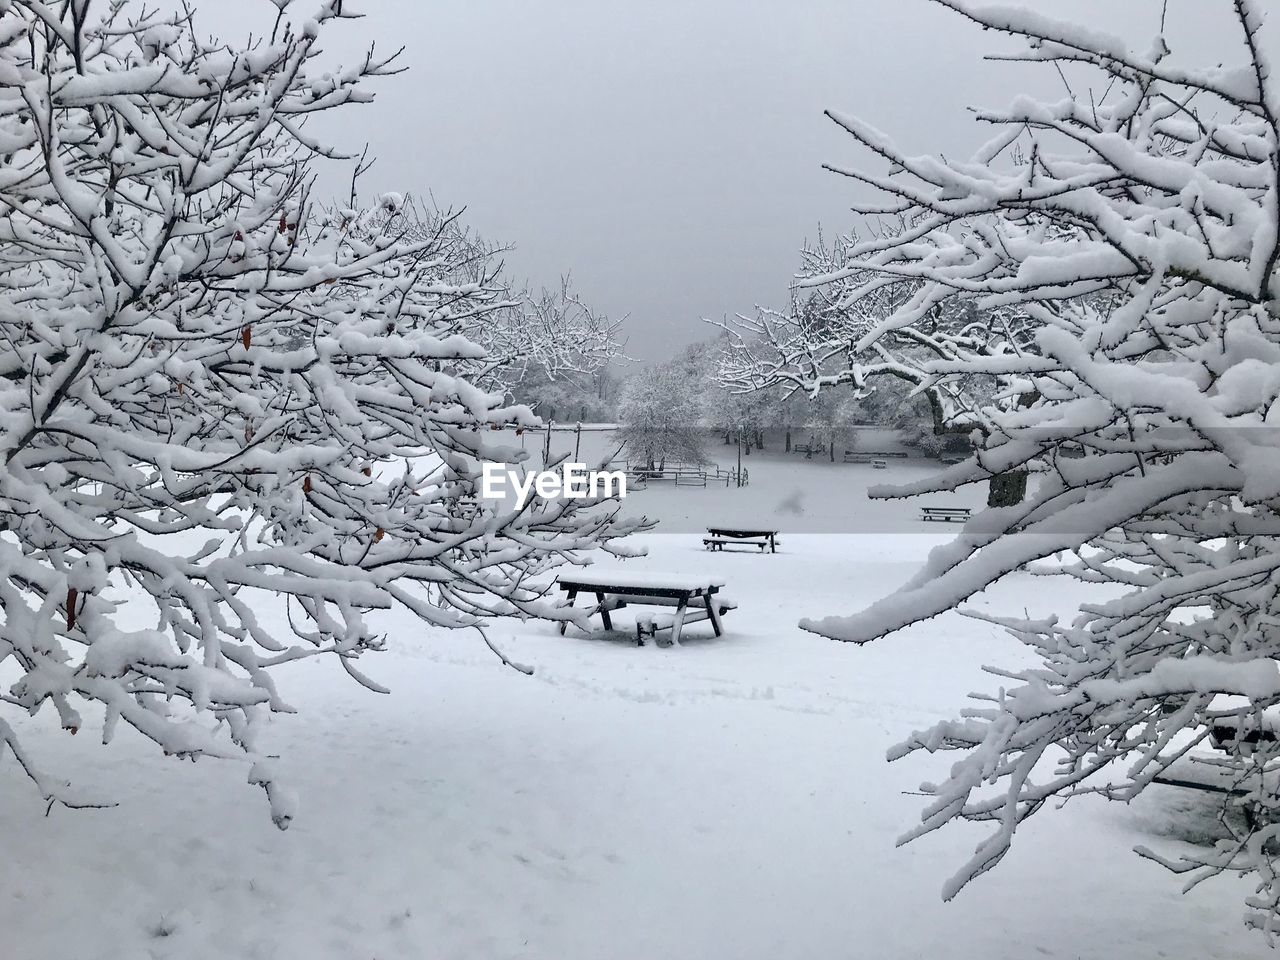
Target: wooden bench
{"x":719,"y":543}
{"x":807,"y":449}
{"x":945,"y":514}
{"x":1226,"y":735}
{"x":648,"y":624}
{"x":720,"y":537}
{"x":694,"y":599}
{"x":872,"y":456}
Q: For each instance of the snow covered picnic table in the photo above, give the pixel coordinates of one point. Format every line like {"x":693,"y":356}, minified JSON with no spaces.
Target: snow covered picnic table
{"x":719,"y":537}
{"x":694,"y":598}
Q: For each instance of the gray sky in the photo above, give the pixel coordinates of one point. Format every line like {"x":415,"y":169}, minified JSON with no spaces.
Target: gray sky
{"x":668,"y":153}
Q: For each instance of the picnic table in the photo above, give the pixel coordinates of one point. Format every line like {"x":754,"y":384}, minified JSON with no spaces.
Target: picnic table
{"x":945,"y":514}
{"x":1231,"y":735}
{"x":720,"y":537}
{"x":693,"y":597}
{"x":872,"y":456}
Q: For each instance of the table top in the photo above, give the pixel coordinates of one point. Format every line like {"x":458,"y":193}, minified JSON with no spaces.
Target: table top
{"x":741,"y":531}
{"x":623,"y":580}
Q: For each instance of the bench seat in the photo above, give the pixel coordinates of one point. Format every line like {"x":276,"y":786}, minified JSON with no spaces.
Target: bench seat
{"x":945,"y":514}
{"x":870,"y":456}
{"x":648,"y":624}
{"x":719,"y":543}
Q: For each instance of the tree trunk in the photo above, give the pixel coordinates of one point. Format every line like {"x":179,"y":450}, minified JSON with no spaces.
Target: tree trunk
{"x":833,"y":451}
{"x":788,"y":449}
{"x":1007,"y":489}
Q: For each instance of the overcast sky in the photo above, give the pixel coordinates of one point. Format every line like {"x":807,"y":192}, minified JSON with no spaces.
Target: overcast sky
{"x":668,"y":152}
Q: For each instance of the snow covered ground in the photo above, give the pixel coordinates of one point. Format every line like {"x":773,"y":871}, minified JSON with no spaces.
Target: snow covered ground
{"x":799,"y":494}
{"x":727,"y":799}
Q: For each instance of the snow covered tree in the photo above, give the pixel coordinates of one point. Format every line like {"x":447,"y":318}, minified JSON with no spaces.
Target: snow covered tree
{"x":551,"y":335}
{"x":736,"y":414}
{"x":1136,"y":222}
{"x":745,"y":415}
{"x":587,"y":398}
{"x":832,"y":334}
{"x":222,"y":415}
{"x":660,"y":416}
{"x":826,"y":420}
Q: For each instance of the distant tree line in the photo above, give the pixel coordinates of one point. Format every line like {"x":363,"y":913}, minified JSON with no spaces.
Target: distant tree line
{"x":668,"y":411}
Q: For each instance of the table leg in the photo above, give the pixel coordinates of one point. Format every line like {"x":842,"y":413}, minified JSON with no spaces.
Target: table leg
{"x":604,"y":612}
{"x":564,"y":624}
{"x":713,"y":614}
{"x":678,"y":622}
{"x":773,"y":546}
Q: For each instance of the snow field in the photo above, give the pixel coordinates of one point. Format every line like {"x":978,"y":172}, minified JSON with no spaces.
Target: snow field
{"x":729,"y":798}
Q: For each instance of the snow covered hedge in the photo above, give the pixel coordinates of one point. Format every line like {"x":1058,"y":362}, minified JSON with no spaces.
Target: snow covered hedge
{"x":216,"y":401}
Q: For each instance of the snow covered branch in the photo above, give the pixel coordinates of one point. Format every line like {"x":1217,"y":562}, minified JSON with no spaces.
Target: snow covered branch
{"x":1135,"y":226}
{"x":222,"y":415}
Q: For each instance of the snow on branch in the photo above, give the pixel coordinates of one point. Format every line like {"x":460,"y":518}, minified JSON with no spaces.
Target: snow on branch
{"x":1121,"y":247}
{"x":223,"y":415}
